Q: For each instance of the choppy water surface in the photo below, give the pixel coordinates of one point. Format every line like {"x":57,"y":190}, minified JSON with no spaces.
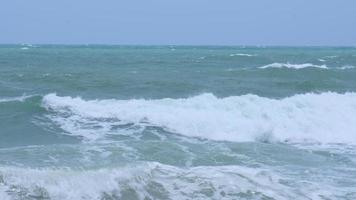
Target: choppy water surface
{"x":175,"y":122}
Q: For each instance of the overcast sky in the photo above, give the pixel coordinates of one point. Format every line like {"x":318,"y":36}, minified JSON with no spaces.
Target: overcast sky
{"x":190,"y":22}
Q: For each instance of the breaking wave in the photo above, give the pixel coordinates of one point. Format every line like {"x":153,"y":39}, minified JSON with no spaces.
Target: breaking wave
{"x":325,"y":118}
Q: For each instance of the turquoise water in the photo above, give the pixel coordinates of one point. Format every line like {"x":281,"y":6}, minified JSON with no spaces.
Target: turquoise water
{"x":177,"y":122}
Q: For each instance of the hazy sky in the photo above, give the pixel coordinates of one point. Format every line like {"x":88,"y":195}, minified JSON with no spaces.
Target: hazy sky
{"x":224,"y":22}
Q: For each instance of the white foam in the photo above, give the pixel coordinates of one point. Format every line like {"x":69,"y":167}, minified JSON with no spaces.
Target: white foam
{"x":293,"y":66}
{"x":155,"y":181}
{"x":242,"y":54}
{"x":326,"y":117}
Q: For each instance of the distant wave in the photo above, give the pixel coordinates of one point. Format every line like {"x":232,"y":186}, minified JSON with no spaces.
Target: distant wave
{"x":326,"y":117}
{"x":27,"y":46}
{"x":242,"y":54}
{"x":20,"y":98}
{"x":293,"y":66}
{"x":304,"y":65}
{"x":334,"y":56}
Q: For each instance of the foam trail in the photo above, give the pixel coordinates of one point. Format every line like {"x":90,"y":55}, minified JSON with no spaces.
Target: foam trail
{"x":20,"y":99}
{"x":293,"y":66}
{"x":326,"y":117}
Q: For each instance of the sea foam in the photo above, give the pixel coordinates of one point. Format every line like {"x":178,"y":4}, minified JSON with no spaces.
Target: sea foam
{"x":152,"y":180}
{"x":326,"y":117}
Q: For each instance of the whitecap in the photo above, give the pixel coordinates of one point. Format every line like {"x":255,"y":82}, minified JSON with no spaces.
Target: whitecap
{"x":333,"y":56}
{"x":346,"y":67}
{"x":293,"y":66}
{"x":242,"y":54}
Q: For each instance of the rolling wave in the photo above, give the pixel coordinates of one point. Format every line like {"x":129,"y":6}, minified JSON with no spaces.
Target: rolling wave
{"x":325,"y":118}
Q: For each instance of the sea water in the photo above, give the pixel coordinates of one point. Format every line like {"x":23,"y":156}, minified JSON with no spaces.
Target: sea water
{"x":177,"y":122}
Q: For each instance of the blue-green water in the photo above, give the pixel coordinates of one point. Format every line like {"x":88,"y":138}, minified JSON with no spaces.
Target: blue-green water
{"x":177,"y":122}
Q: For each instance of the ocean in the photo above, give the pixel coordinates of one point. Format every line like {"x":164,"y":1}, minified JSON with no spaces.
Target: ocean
{"x":177,"y":122}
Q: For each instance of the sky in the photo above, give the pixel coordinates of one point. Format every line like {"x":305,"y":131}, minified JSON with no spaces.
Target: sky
{"x":179,"y":22}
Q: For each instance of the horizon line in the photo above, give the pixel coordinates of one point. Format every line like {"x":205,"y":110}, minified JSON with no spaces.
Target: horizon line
{"x":176,"y":45}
